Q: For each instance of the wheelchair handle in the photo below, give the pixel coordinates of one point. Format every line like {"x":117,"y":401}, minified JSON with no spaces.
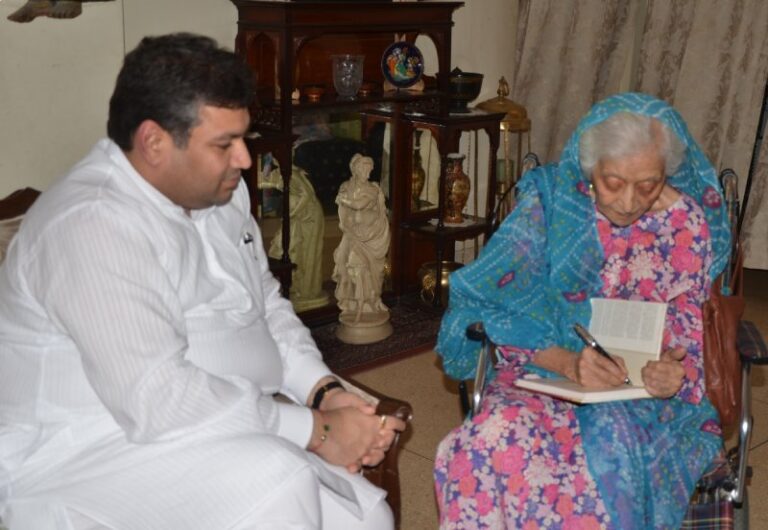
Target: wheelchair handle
{"x":476,"y":332}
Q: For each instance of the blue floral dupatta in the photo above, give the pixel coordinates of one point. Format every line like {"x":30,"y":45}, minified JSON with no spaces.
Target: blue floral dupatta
{"x":534,"y":279}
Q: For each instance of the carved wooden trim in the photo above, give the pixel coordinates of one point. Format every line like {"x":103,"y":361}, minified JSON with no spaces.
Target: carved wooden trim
{"x":17,"y":203}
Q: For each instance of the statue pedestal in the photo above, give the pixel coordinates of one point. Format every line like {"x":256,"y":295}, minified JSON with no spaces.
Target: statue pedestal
{"x":370,"y":328}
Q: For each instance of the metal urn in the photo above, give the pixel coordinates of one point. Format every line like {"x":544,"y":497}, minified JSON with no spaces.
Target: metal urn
{"x":426,"y":275}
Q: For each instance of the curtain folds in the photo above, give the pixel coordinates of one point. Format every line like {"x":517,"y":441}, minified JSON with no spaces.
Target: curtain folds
{"x":755,"y":228}
{"x":568,"y":55}
{"x":708,"y":58}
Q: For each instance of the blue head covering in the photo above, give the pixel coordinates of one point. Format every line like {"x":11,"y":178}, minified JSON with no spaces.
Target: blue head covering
{"x":535,"y":276}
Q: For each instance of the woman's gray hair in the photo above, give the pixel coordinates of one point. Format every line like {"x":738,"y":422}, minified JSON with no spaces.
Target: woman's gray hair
{"x":625,"y":134}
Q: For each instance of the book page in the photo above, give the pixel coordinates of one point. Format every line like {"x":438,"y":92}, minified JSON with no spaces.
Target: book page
{"x":634,"y":361}
{"x":570,"y":391}
{"x":629,"y":325}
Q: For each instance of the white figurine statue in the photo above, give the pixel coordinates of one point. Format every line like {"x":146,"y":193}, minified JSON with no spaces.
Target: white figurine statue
{"x":360,"y":258}
{"x":306,"y":245}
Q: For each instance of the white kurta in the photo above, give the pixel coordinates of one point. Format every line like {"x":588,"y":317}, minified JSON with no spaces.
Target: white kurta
{"x":139,"y":351}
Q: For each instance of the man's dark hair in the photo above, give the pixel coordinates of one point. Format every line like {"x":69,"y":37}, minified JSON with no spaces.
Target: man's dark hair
{"x":168,"y":78}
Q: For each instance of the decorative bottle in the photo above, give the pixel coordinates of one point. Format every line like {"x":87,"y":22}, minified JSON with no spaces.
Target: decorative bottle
{"x":457,"y":188}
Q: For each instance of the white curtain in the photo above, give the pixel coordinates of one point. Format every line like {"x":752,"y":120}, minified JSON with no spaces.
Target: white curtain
{"x":708,"y":58}
{"x":569,"y":54}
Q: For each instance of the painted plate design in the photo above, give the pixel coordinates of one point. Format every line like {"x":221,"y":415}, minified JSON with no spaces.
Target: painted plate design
{"x":402,"y":64}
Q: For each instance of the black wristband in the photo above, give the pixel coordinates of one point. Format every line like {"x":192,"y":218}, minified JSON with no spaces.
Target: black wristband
{"x":320,"y":394}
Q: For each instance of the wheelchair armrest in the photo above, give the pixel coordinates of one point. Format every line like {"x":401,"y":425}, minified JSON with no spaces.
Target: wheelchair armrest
{"x":486,"y":355}
{"x":750,"y":344}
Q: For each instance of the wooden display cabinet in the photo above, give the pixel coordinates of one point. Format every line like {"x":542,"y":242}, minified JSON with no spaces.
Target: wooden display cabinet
{"x":420,"y":237}
{"x":289,"y":45}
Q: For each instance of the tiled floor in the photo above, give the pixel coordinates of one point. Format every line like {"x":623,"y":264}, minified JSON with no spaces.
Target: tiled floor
{"x":435,"y":401}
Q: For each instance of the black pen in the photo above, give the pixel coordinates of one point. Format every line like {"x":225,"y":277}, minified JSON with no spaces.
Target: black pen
{"x":589,"y":340}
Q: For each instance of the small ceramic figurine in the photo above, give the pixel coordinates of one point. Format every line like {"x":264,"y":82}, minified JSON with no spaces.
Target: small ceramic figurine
{"x":361,"y":257}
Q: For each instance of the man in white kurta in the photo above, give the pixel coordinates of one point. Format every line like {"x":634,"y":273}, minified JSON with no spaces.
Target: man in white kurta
{"x":141,"y":343}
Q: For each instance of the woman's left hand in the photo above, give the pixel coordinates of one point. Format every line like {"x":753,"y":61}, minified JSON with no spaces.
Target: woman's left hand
{"x":663,"y":378}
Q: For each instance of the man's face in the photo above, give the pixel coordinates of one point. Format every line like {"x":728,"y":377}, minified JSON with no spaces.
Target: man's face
{"x":207,"y":171}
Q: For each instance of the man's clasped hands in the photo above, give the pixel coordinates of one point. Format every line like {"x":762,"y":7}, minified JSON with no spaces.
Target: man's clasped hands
{"x":347,"y":431}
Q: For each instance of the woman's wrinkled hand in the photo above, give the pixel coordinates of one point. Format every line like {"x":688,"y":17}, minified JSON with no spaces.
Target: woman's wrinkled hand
{"x":664,"y":378}
{"x":592,"y":370}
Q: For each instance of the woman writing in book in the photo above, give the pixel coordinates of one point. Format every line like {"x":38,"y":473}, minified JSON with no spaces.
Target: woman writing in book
{"x":631,"y":211}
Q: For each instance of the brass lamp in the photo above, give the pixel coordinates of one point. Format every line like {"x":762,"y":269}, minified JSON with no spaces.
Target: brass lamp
{"x":515,"y":130}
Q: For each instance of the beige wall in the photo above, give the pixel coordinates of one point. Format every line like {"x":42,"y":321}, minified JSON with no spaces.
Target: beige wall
{"x":483,"y":41}
{"x":56,"y":76}
{"x":54,"y":79}
{"x":215,"y":18}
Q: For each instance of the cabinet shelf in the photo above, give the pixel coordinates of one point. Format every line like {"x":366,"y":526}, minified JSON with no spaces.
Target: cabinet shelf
{"x":332,"y":100}
{"x":473,"y":227}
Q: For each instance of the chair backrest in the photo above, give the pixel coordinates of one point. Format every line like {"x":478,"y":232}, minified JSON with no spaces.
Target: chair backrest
{"x":729,"y":182}
{"x":722,"y":313}
{"x":12,"y":210}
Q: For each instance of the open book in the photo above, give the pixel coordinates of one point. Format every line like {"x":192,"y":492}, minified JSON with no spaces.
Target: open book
{"x":629,"y":329}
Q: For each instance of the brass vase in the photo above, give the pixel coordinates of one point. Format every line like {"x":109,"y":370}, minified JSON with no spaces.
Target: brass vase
{"x":457,"y":188}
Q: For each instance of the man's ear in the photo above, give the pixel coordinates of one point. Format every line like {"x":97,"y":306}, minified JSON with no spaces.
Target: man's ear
{"x":152,"y":142}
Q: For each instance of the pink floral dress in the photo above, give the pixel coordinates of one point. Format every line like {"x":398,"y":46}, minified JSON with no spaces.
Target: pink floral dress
{"x":523,"y":462}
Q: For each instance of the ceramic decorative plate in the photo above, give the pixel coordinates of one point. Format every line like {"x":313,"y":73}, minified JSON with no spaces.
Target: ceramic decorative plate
{"x":402,"y":64}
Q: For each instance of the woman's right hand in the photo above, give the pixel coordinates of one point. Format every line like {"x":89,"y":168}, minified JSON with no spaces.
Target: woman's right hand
{"x":592,"y":370}
{"x":588,"y":368}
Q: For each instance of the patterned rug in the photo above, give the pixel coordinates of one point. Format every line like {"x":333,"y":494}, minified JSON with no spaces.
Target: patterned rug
{"x":415,"y":325}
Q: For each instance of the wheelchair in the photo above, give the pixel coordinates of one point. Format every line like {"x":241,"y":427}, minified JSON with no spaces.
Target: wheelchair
{"x":720,"y":498}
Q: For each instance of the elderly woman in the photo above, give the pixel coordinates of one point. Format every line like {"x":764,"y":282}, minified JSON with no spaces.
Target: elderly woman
{"x":631,"y":211}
